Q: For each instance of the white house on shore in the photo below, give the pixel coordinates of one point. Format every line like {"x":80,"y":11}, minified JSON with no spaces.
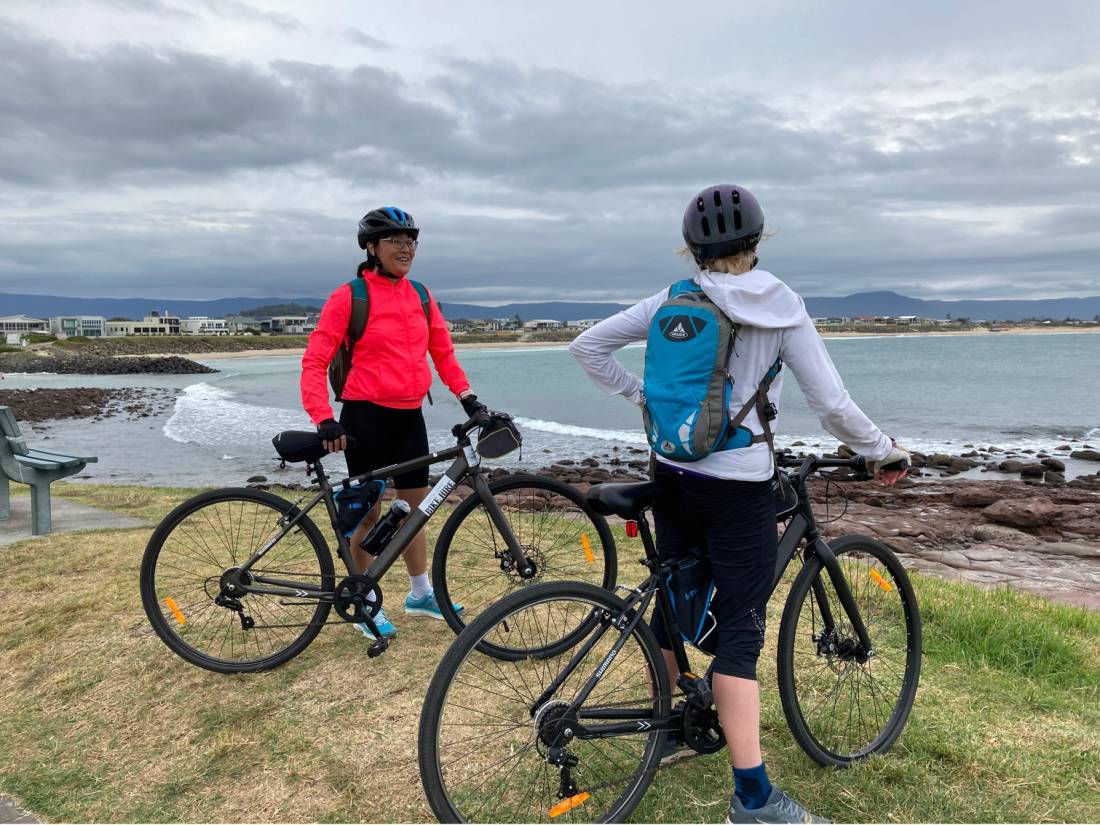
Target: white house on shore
{"x":152,"y":324}
{"x":201,"y":325}
{"x":543,"y":323}
{"x":23,"y":324}
{"x":88,"y":326}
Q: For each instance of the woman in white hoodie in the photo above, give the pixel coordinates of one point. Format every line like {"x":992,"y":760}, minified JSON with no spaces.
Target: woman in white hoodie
{"x":724,"y":501}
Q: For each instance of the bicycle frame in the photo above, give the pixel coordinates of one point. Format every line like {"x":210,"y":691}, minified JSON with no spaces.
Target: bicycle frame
{"x":801,"y":528}
{"x":467,"y":463}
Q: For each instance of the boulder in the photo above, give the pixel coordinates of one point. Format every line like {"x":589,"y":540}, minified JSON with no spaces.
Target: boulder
{"x":1054,"y":464}
{"x":1010,"y":466}
{"x":256,"y":480}
{"x":975,"y":497}
{"x":1022,"y":512}
{"x":1033,"y":470}
{"x":1054,"y":477}
{"x":1086,"y":455}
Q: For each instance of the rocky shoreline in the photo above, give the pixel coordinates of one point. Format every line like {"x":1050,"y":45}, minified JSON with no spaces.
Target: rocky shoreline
{"x":36,"y":406}
{"x":76,"y":363}
{"x":1039,"y":534}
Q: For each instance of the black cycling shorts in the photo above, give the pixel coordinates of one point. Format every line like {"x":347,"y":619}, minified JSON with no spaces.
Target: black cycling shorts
{"x":735,"y":522}
{"x":385,"y":436}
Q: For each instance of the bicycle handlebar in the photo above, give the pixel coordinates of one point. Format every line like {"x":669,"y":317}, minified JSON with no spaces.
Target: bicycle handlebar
{"x":812,"y":463}
{"x":479,"y":419}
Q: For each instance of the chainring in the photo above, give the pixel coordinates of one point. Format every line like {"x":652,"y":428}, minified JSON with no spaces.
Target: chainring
{"x":701,"y":730}
{"x":351,"y":598}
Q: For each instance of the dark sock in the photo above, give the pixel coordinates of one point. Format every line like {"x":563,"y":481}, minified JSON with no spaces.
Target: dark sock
{"x":752,"y":786}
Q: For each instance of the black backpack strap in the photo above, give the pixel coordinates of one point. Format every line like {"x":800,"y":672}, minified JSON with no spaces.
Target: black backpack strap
{"x":425,"y":299}
{"x":759,"y":402}
{"x":360,"y":309}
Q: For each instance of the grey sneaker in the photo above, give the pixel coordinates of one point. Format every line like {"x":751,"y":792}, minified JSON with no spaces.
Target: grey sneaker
{"x":779,"y":808}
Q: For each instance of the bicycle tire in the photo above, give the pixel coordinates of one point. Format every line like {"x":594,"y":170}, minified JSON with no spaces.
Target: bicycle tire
{"x":566,"y":539}
{"x":445,"y":716}
{"x":840,"y":710}
{"x":207,"y":531}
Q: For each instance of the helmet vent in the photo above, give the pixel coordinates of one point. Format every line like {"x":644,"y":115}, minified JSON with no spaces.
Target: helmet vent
{"x":700,"y":205}
{"x":735,"y":195}
{"x":736,"y":218}
{"x":706,"y":228}
{"x":717,"y":198}
{"x":721,"y":222}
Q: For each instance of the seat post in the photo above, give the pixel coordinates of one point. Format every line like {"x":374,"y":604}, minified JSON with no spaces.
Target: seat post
{"x":647,"y":539}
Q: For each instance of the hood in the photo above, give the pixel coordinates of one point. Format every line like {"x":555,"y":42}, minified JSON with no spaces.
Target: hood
{"x":756,"y":298}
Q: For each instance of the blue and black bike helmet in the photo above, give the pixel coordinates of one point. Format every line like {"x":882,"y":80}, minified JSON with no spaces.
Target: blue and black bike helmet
{"x":722,"y":220}
{"x":386,"y":220}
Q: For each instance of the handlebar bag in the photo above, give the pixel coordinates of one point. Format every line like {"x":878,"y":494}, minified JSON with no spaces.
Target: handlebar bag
{"x":499,"y":437}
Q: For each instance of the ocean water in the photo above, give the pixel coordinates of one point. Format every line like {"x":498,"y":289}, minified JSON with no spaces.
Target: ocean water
{"x":933,"y":393}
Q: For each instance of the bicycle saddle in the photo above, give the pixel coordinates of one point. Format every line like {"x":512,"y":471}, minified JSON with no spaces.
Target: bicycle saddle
{"x":625,"y":500}
{"x":299,"y":445}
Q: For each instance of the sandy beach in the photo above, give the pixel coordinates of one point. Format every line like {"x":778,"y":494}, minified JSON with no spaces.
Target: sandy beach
{"x":459,"y":345}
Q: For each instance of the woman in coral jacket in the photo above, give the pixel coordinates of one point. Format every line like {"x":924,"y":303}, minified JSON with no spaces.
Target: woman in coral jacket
{"x":386,"y":385}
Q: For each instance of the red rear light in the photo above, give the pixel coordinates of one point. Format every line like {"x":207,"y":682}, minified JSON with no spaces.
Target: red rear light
{"x":632,"y":529}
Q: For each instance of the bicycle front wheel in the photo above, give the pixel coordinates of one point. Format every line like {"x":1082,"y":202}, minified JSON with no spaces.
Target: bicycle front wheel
{"x":183,"y":570}
{"x":501,"y":741}
{"x":560,"y":534}
{"x":841,"y":709}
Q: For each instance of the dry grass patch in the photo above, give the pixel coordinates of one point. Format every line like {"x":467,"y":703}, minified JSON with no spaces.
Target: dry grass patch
{"x":100,"y":722}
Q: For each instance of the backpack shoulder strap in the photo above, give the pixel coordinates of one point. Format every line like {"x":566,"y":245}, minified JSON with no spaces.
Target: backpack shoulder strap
{"x":425,"y":299}
{"x":759,"y":400}
{"x":680,"y":287}
{"x":360,"y":309}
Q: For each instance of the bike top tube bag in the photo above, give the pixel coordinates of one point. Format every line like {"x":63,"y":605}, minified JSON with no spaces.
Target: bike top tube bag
{"x":354,"y":504}
{"x":690,"y":588}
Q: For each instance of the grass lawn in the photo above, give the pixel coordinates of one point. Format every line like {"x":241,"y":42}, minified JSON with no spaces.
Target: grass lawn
{"x":99,"y":721}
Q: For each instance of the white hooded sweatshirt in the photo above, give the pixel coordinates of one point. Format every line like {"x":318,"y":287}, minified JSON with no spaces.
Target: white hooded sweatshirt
{"x":773,"y":323}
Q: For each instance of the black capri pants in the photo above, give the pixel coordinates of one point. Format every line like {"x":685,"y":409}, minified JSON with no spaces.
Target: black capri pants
{"x":384,"y":436}
{"x":735,"y":522}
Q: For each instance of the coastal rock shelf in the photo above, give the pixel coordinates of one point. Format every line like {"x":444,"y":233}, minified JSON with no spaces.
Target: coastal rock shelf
{"x":80,"y":364}
{"x":33,"y":406}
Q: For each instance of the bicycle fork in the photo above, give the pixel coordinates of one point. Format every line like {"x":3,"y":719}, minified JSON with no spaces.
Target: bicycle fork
{"x":847,"y":601}
{"x":522,"y":565}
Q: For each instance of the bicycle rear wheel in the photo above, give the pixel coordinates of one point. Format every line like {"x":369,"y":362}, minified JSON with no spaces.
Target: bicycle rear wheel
{"x":488,"y":727}
{"x":181,"y":581}
{"x":838,"y":708}
{"x":559,"y":532}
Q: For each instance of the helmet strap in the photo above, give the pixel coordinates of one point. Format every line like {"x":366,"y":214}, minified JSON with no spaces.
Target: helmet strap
{"x":755,"y":261}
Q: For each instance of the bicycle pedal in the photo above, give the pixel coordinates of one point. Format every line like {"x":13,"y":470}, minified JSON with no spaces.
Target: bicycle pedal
{"x":377,"y":648}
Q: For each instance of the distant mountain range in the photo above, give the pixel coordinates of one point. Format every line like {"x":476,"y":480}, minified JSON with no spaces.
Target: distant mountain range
{"x":861,"y":303}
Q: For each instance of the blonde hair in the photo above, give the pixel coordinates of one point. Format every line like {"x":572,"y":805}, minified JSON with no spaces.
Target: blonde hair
{"x":737,"y":264}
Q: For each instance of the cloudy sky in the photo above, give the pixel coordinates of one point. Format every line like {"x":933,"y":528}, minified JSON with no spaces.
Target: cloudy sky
{"x":209,"y":148}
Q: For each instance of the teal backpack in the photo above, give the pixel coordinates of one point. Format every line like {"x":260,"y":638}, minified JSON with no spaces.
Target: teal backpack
{"x":687,"y":384}
{"x":340,"y":365}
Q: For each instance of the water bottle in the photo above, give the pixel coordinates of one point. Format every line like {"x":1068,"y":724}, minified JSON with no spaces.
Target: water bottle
{"x":385,"y":528}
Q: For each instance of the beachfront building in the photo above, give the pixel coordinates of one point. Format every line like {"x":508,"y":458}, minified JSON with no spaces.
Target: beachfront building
{"x":152,"y":324}
{"x":243,"y":324}
{"x":21,"y":324}
{"x":543,"y":323}
{"x":70,"y":326}
{"x":584,"y":323}
{"x":289,"y":324}
{"x":201,"y":325}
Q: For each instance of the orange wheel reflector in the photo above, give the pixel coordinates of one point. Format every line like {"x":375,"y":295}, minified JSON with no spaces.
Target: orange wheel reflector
{"x":881,"y":582}
{"x":569,"y":804}
{"x":587,"y":545}
{"x":175,"y":608}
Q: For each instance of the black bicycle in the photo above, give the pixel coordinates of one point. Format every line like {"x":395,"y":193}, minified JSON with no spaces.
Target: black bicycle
{"x":239,"y":579}
{"x":579,"y":733}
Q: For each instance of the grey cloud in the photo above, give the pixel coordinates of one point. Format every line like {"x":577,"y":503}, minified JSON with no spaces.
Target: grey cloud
{"x":610,"y":164}
{"x":361,"y":38}
{"x":239,"y":10}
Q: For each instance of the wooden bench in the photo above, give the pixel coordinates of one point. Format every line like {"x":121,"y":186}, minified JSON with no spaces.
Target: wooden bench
{"x":38,"y":468}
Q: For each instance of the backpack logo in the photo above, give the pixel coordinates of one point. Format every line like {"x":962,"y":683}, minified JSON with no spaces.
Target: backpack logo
{"x":679,"y":328}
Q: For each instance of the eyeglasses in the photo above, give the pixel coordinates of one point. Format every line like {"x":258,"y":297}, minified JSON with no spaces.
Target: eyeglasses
{"x":402,"y":243}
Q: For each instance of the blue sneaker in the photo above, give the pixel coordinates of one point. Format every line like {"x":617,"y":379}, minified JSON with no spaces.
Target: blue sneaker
{"x":426,"y":605}
{"x":384,"y":625}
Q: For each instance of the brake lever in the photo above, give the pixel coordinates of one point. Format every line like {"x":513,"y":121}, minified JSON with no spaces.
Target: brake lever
{"x":859,"y":465}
